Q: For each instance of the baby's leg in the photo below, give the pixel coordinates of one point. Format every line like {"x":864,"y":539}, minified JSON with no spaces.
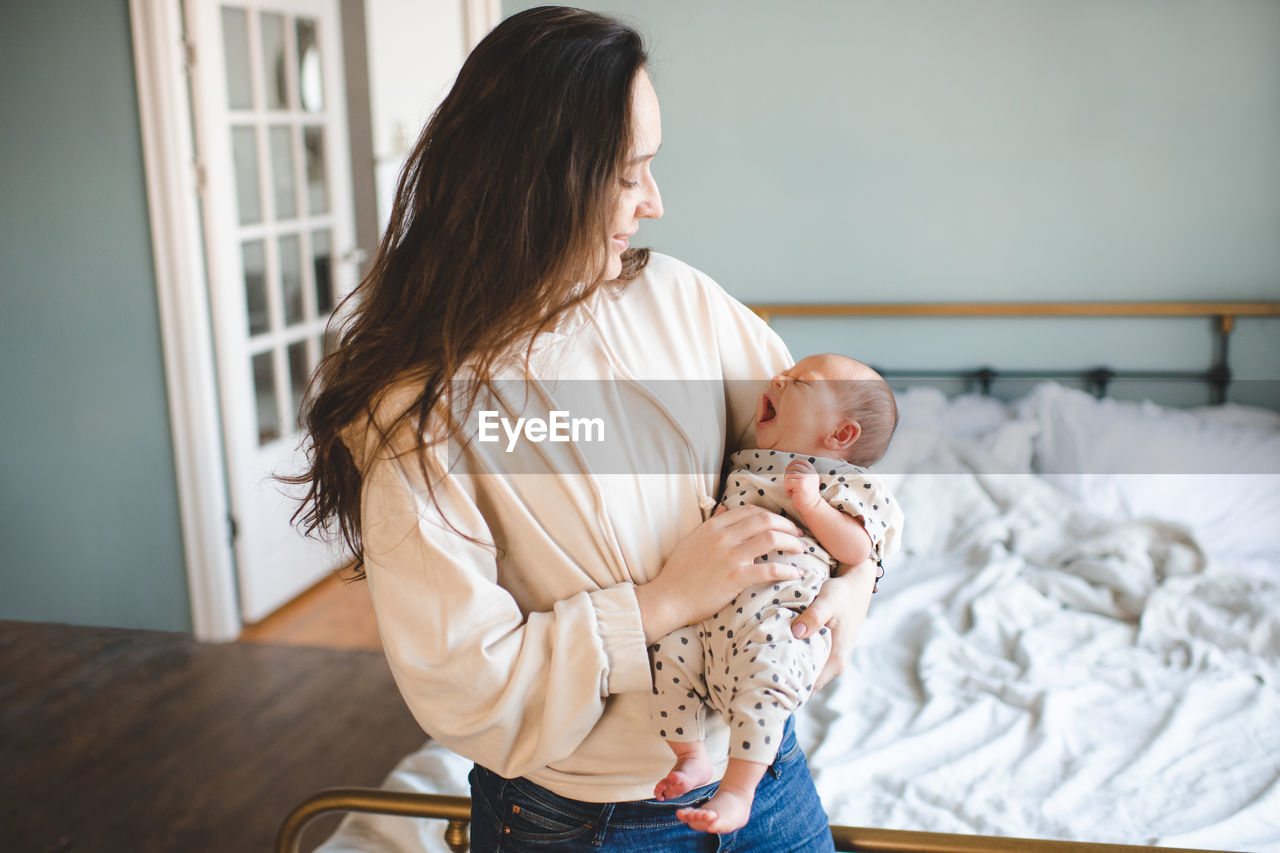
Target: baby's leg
{"x":692,"y":769}
{"x":678,"y":711}
{"x":730,"y":808}
{"x":774,"y":674}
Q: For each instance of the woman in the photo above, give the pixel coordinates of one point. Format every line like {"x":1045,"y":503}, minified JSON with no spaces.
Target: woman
{"x":517,"y":585}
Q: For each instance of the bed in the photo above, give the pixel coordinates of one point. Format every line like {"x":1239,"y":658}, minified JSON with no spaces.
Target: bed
{"x":1079,"y":641}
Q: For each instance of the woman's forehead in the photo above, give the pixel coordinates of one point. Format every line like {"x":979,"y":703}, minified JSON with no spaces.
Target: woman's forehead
{"x":646,"y":117}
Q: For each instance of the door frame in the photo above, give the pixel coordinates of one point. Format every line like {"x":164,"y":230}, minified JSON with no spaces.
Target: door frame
{"x":162,"y":56}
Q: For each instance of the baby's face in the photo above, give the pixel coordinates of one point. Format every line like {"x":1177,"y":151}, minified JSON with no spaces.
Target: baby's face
{"x":799,"y":410}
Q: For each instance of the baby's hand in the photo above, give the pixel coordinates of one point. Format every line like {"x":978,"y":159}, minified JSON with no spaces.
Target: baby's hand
{"x":801,"y":485}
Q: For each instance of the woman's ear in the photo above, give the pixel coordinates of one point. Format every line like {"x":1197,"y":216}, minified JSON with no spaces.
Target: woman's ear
{"x":844,"y":435}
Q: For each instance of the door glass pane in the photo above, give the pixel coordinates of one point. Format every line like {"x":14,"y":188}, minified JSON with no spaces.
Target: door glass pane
{"x":273,"y":67}
{"x":317,"y":187}
{"x":255,"y":286}
{"x":310,"y":78}
{"x":245,"y":152}
{"x":264,"y":395}
{"x":299,"y":373}
{"x":323,"y":265}
{"x":235,"y":48}
{"x":282,"y":174}
{"x":291,"y":278}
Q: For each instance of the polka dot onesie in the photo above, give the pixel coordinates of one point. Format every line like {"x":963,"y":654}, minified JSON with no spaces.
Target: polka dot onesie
{"x":743,"y":662}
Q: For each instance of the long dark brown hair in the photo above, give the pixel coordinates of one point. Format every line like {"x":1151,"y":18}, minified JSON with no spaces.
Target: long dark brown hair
{"x":500,"y":225}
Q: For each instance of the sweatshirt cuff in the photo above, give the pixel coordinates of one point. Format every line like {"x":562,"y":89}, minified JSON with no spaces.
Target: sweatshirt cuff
{"x":622,"y":637}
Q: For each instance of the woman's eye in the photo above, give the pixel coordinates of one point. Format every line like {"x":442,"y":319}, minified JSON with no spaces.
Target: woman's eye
{"x":630,"y":184}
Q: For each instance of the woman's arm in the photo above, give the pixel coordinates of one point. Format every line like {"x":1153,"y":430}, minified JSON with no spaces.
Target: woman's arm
{"x":841,"y":606}
{"x":516,"y":691}
{"x":842,"y":602}
{"x":509,"y":690}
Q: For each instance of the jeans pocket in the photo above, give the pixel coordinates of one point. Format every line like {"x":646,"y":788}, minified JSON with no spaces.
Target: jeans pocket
{"x":791,"y":754}
{"x":532,"y":815}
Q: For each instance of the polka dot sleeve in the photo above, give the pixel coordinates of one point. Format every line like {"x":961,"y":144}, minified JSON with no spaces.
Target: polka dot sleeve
{"x":859,"y":493}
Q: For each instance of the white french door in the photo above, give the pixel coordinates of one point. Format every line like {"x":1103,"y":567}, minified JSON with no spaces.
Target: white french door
{"x":268,"y":100}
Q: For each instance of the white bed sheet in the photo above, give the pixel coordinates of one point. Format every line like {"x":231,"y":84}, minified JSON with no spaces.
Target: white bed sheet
{"x":1052,"y":673}
{"x":1031,"y":667}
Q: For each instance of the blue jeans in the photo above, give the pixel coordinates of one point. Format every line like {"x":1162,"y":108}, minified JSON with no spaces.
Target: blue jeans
{"x":514,"y":815}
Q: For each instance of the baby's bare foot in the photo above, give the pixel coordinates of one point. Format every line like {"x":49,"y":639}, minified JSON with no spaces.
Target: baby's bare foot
{"x":688,"y":773}
{"x":725,"y":812}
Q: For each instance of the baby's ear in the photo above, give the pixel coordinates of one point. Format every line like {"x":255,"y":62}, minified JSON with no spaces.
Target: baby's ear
{"x":844,"y":435}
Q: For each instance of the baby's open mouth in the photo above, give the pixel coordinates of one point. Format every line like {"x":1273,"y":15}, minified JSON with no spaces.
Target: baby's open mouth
{"x":769,"y":412}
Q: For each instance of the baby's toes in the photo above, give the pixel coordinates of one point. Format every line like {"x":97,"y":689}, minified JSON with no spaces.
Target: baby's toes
{"x":699,"y":819}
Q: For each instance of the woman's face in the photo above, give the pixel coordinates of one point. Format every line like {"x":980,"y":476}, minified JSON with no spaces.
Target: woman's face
{"x":638,"y":198}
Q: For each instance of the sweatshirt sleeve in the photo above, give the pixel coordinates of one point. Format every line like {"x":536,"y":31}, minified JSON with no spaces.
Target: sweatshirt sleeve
{"x":750,"y":354}
{"x":511,"y":691}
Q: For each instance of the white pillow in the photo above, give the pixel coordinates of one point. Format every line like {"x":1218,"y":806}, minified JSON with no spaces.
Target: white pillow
{"x":927,"y":420}
{"x":1216,"y":471}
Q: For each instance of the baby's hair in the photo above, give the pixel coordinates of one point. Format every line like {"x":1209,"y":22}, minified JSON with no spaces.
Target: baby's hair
{"x":869,"y":401}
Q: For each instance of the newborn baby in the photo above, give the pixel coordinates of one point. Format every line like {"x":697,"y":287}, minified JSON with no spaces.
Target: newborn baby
{"x":817,"y":425}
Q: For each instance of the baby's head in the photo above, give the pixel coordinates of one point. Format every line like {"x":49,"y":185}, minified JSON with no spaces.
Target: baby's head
{"x":828,"y":405}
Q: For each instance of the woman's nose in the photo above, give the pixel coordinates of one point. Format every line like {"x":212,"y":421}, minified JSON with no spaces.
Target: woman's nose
{"x":650,"y":206}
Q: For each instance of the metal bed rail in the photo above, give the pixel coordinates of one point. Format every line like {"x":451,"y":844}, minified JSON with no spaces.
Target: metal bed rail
{"x":853,"y":839}
{"x":1217,"y":375}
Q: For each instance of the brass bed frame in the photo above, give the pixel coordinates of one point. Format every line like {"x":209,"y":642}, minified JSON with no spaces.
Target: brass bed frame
{"x":457,"y":810}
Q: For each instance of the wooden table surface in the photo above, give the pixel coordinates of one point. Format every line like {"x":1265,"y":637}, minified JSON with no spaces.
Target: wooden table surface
{"x":144,"y":740}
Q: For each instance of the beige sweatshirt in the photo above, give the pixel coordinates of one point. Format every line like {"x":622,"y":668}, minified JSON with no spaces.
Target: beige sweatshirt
{"x":507,"y":605}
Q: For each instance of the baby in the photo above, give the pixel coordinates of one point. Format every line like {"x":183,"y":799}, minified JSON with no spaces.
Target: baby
{"x":816,"y":424}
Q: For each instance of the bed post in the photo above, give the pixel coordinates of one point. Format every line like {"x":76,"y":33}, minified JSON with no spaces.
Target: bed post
{"x":1219,"y":375}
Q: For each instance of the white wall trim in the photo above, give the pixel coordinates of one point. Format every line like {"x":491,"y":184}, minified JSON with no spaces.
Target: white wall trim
{"x":168,"y":149}
{"x":479,"y":16}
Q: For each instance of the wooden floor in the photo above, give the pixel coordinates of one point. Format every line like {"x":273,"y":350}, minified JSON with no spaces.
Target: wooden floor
{"x":118,"y":740}
{"x":335,"y":613}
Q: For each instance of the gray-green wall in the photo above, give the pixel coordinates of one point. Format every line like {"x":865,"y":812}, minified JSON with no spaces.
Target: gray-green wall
{"x":984,"y":150}
{"x":89,"y":528}
{"x":815,"y":151}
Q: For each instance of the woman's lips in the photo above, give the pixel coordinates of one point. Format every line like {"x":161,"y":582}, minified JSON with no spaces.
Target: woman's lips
{"x":621,"y":243}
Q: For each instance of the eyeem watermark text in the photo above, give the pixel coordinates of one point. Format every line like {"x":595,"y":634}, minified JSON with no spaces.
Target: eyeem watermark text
{"x":559,"y":427}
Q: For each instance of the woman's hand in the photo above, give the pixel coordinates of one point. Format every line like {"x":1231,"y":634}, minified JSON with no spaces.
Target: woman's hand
{"x":713,"y":564}
{"x":840,"y":606}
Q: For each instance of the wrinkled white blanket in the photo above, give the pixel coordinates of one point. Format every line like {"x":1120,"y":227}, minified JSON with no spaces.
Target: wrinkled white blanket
{"x":1029,"y":668}
{"x":1036,"y":670}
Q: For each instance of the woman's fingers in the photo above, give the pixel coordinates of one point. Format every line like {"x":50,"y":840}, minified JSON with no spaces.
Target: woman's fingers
{"x":758,"y":573}
{"x":824,"y":613}
{"x":824,"y":607}
{"x":744,"y":522}
{"x":840,"y":607}
{"x":774,"y":542}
